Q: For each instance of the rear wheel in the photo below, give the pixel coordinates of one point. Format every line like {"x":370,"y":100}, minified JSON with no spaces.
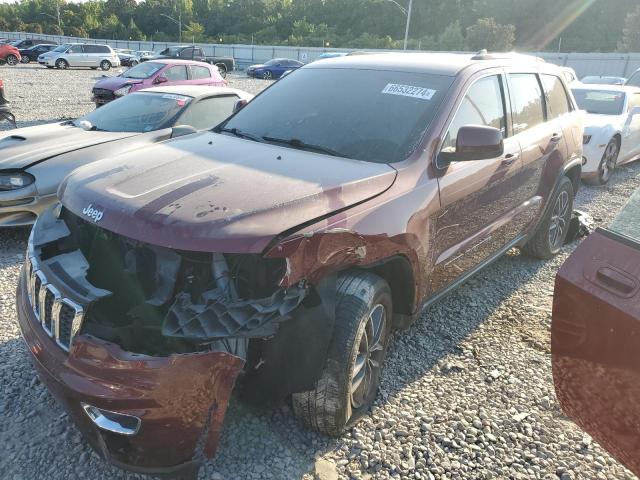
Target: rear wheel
{"x":133,"y":63}
{"x":267,"y":75}
{"x":105,"y":65}
{"x":12,"y":60}
{"x":607,"y":164}
{"x":25,"y":59}
{"x":552,"y":231}
{"x":351,"y":375}
{"x":222,"y":68}
{"x":62,"y":64}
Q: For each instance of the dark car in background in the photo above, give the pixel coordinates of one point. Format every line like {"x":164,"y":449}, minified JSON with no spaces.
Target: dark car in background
{"x":273,"y":68}
{"x":31,"y":54}
{"x":30,"y":42}
{"x":192,"y":52}
{"x":289,"y":245}
{"x":595,"y":336}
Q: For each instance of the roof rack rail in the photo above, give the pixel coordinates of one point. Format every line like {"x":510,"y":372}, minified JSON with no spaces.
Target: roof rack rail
{"x":484,"y":55}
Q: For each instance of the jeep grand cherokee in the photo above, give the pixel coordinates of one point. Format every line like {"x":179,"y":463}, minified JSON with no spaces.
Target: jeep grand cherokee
{"x":288,"y":242}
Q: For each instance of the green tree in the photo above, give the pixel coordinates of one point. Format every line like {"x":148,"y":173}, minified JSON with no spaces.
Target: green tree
{"x":194,"y":32}
{"x":631,"y":33}
{"x":452,"y":38}
{"x":487,"y":33}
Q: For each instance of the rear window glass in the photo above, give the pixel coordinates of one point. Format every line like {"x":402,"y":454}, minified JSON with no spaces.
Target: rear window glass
{"x":527,"y":104}
{"x":627,"y":222}
{"x":601,"y":102}
{"x":370,"y":115}
{"x":557,"y":101}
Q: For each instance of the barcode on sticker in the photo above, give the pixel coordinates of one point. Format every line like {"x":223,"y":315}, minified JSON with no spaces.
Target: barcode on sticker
{"x":409,"y":91}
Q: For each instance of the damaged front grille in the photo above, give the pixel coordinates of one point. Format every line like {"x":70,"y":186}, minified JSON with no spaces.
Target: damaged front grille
{"x":61,"y":318}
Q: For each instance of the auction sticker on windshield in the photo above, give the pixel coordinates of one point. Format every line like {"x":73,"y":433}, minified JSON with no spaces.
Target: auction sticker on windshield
{"x":409,"y":91}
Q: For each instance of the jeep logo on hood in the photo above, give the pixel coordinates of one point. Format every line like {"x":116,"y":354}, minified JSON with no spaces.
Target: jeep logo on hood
{"x":93,"y":213}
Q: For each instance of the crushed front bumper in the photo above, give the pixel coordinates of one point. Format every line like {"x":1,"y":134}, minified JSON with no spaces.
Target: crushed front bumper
{"x":180,"y":400}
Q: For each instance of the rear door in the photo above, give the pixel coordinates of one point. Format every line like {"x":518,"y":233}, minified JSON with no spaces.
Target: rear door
{"x":595,"y":336}
{"x":176,"y":75}
{"x":541,"y":137}
{"x":480,"y":199}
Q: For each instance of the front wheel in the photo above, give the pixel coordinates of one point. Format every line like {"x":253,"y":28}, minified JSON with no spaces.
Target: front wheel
{"x":267,"y":75}
{"x":105,"y":65}
{"x":607,"y":163}
{"x":552,"y":230}
{"x":351,"y":374}
{"x":12,"y":60}
{"x":62,"y":64}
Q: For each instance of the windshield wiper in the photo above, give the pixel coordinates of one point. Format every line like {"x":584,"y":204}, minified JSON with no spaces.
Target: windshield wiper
{"x":300,"y":145}
{"x":239,"y":133}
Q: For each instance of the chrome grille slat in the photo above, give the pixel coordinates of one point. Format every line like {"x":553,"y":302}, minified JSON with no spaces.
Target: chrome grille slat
{"x":61,"y":318}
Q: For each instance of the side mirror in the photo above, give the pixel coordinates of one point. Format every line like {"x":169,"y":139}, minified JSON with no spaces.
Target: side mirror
{"x":160,"y":79}
{"x":634,"y":111}
{"x":474,"y":142}
{"x":181,"y":130}
{"x":239,"y":105}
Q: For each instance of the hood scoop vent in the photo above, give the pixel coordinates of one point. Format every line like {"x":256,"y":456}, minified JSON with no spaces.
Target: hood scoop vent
{"x":11,"y":140}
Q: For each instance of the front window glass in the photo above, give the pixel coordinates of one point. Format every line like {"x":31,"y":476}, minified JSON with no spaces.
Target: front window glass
{"x":600,"y":102}
{"x":627,"y":222}
{"x":482,"y":105}
{"x":527,"y":104}
{"x":138,"y":112}
{"x":371,"y":115}
{"x":176,"y":74}
{"x":143,"y":70}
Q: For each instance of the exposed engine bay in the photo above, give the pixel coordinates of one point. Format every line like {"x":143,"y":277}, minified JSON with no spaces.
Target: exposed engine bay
{"x":157,"y":301}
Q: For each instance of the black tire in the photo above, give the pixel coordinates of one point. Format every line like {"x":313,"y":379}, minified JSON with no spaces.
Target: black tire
{"x":552,"y":230}
{"x":11,"y":60}
{"x":607,"y":163}
{"x":105,"y":65}
{"x":267,"y":75}
{"x":222,"y":68}
{"x":62,"y":64}
{"x":338,"y":399}
{"x":25,"y":59}
{"x":133,"y":63}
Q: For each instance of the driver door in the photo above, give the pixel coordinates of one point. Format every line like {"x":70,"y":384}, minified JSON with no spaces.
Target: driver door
{"x":631,"y":133}
{"x":480,"y":198}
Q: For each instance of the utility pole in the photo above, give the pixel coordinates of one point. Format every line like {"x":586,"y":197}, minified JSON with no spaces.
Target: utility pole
{"x":177,"y":22}
{"x":406,"y":32}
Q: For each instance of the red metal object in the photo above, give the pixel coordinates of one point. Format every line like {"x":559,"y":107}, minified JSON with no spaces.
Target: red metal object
{"x":595,"y":343}
{"x":181,"y":399}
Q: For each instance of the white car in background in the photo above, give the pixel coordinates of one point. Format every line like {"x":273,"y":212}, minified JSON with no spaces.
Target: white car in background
{"x":80,"y":55}
{"x":569,"y":75}
{"x":612,"y":128}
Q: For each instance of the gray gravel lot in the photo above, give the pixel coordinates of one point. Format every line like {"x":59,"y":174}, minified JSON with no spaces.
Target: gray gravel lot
{"x":467,"y":392}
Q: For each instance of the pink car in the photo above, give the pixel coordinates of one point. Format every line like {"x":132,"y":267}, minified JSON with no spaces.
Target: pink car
{"x":154,"y":73}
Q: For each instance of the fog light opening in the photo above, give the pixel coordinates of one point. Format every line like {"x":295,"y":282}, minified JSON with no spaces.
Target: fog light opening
{"x":112,"y":421}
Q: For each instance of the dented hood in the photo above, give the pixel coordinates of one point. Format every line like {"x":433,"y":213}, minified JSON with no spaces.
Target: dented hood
{"x":212,"y":192}
{"x":25,"y":147}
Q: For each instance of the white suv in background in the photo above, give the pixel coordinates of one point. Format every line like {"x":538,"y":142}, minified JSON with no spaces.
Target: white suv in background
{"x":80,"y":55}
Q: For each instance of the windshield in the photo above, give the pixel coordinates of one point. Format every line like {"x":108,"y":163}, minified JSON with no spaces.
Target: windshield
{"x":273,"y":62}
{"x":634,"y":81}
{"x":376,"y":116}
{"x":138,"y":112}
{"x":143,"y":70}
{"x":61,"y":48}
{"x":600,"y":102}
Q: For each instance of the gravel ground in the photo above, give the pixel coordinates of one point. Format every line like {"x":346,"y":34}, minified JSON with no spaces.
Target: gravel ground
{"x":466,"y":393}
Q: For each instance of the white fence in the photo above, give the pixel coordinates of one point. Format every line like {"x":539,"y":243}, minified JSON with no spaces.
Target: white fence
{"x":615,"y":64}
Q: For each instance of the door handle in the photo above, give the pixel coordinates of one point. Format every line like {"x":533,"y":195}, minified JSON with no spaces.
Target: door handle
{"x":616,"y":281}
{"x":509,"y":158}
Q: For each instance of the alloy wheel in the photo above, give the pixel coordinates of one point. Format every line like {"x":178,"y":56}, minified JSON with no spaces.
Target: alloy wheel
{"x":12,"y":60}
{"x":61,"y":64}
{"x":267,"y":75}
{"x":369,"y":357}
{"x":608,"y":163}
{"x":558,"y":224}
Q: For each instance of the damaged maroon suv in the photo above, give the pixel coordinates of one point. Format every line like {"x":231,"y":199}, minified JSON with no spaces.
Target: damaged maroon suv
{"x":280,"y":249}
